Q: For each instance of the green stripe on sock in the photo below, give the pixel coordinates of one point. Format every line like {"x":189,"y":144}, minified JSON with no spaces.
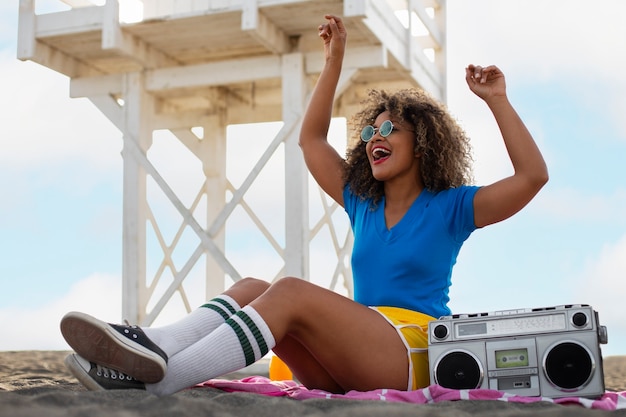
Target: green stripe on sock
{"x":255,"y":332}
{"x":248,"y":351}
{"x":218,"y":309}
{"x":225,"y":304}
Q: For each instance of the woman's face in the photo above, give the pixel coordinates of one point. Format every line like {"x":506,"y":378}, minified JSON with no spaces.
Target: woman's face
{"x":393,"y":156}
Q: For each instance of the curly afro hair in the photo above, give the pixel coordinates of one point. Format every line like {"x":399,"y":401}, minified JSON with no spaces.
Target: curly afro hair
{"x":446,"y":160}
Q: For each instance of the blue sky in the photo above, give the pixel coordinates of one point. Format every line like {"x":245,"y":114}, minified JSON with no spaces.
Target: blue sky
{"x":61,"y":173}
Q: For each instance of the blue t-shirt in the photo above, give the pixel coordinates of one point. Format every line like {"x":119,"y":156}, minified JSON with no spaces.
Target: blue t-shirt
{"x":410,"y":265}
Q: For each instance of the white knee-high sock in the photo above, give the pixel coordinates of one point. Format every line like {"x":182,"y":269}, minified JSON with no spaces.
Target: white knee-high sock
{"x":242,"y":340}
{"x":179,"y":335}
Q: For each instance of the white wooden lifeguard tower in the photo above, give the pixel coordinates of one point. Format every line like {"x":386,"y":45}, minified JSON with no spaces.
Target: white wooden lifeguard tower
{"x":201,"y":65}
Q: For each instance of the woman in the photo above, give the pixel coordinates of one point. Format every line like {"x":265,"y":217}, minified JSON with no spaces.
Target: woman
{"x":404,"y":186}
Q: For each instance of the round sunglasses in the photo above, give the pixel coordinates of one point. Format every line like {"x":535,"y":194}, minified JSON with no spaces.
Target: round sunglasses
{"x":369,"y":131}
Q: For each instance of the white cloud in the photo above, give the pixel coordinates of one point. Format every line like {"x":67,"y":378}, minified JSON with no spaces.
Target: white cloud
{"x":603,"y":278}
{"x":576,"y":42}
{"x":573,"y":204}
{"x":36,"y":327}
{"x":541,"y":39}
{"x":603,"y":286}
{"x":45,"y":126}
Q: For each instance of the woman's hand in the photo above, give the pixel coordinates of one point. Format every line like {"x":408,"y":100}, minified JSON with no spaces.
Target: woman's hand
{"x":487,"y":82}
{"x":334,"y":36}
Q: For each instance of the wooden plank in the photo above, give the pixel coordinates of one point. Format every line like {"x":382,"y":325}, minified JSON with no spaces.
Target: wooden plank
{"x":78,"y":3}
{"x":110,"y":84}
{"x":294,"y":93}
{"x":112,"y":37}
{"x":217,"y":73}
{"x":419,"y":8}
{"x":74,"y":21}
{"x":26,"y":30}
{"x":110,"y":108}
{"x":262,"y":29}
{"x":359,"y":57}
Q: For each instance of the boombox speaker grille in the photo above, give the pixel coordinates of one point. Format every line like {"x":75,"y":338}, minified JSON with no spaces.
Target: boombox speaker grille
{"x":459,"y":370}
{"x":568,"y":366}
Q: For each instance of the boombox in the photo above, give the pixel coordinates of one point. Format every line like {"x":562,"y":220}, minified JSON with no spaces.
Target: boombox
{"x":550,"y":352}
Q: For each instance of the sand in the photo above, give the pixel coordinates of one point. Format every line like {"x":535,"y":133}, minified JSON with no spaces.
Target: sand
{"x":36,"y":383}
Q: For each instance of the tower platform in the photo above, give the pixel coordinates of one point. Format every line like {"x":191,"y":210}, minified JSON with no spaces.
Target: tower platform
{"x":180,"y":65}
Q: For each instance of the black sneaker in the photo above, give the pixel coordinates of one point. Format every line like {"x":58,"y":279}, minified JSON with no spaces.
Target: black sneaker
{"x":116,"y":346}
{"x":98,"y":378}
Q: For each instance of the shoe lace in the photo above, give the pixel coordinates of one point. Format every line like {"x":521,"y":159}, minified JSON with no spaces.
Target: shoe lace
{"x":132,"y":326}
{"x":105,"y":372}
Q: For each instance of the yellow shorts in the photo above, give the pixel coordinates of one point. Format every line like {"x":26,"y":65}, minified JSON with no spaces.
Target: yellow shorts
{"x":412,"y":327}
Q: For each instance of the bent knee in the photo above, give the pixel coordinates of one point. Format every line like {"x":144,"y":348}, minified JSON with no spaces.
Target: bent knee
{"x":292,"y":288}
{"x":247,"y":289}
{"x":256,"y":284}
{"x":290,"y":284}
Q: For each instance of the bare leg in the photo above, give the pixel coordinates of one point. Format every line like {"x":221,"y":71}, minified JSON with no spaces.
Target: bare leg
{"x":247,"y":290}
{"x":329,"y":341}
{"x":304,"y":366}
{"x":353,"y":346}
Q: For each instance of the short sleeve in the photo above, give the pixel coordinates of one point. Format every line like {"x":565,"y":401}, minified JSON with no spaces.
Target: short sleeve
{"x":457,"y":209}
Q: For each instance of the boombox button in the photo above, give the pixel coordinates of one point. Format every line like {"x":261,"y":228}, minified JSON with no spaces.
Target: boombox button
{"x":440,"y":331}
{"x":579,"y":319}
{"x":512,"y":372}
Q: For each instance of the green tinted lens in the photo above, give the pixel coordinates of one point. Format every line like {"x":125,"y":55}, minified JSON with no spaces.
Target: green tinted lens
{"x":367,"y":133}
{"x":386,"y":128}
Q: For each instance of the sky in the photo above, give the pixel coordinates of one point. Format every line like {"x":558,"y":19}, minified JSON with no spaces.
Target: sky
{"x":61,"y":175}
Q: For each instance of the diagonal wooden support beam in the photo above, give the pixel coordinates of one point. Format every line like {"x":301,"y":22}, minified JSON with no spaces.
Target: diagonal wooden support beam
{"x":132,"y":147}
{"x":174,"y":286}
{"x":220,"y":220}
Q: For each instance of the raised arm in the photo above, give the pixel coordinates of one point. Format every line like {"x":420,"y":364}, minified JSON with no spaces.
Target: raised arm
{"x":322,"y":160}
{"x":504,"y":198}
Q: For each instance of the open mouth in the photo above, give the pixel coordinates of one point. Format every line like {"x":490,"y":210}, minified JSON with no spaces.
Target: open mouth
{"x":379,"y":154}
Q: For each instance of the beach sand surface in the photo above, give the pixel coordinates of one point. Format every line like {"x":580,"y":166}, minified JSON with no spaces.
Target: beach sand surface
{"x":36,"y":383}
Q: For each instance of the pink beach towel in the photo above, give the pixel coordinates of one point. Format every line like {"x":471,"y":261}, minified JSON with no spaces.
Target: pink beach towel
{"x":432,"y":394}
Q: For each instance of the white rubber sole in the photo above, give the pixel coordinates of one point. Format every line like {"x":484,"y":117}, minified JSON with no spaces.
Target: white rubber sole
{"x":98,"y":342}
{"x":78,"y":370}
